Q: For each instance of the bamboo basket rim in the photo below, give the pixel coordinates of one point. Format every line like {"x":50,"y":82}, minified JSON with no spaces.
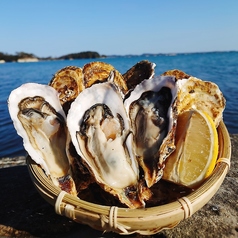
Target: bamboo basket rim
{"x":145,"y":221}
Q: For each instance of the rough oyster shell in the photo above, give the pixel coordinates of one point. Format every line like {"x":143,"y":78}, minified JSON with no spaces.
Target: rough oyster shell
{"x":151,"y":107}
{"x":205,"y":96}
{"x":69,"y":83}
{"x":178,"y":74}
{"x":194,"y":93}
{"x":139,"y":72}
{"x":100,"y":131}
{"x":97,"y":72}
{"x":39,"y":119}
{"x":72,"y":80}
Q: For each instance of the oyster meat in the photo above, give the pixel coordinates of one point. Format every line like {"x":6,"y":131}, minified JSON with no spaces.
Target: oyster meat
{"x":100,"y":131}
{"x":151,"y":107}
{"x":40,"y":120}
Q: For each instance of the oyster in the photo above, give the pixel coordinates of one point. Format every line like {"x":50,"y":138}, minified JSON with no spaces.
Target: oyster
{"x":96,"y":72}
{"x":100,"y":131}
{"x":151,"y":107}
{"x":72,"y":80}
{"x":194,"y":93}
{"x":139,"y":72}
{"x":205,"y":96}
{"x":39,"y":119}
{"x":177,"y":73}
{"x":69,"y":83}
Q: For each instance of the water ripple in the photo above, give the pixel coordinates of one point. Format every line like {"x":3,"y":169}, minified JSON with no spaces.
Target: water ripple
{"x":220,"y":68}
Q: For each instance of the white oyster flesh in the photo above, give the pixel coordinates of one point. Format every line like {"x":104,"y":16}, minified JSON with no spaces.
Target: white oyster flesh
{"x":151,"y":107}
{"x":100,"y":131}
{"x":39,"y":119}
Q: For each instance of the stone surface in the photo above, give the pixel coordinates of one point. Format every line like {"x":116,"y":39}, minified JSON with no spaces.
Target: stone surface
{"x":24,"y":213}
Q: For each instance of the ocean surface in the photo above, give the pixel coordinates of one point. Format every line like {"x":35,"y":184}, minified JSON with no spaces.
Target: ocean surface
{"x":218,"y":67}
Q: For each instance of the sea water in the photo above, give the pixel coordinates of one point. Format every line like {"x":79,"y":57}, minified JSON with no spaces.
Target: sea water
{"x":218,"y":67}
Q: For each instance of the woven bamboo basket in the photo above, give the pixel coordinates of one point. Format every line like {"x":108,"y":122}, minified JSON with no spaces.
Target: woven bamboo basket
{"x":146,"y":221}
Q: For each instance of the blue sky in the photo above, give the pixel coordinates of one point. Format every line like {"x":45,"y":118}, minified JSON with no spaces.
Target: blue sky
{"x":57,"y":27}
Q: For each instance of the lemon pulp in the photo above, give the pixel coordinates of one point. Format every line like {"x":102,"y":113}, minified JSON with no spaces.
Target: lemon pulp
{"x":196,"y":149}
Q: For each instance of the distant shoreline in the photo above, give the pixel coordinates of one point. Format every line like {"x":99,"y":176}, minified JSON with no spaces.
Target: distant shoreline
{"x":27,"y":57}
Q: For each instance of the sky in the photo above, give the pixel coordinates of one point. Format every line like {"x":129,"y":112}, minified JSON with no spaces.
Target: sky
{"x":57,"y":27}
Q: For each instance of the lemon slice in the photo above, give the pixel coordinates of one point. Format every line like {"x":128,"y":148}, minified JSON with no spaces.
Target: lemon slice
{"x":196,"y":150}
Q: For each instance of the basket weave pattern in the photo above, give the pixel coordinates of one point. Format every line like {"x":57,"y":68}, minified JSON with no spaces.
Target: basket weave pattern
{"x":146,"y":221}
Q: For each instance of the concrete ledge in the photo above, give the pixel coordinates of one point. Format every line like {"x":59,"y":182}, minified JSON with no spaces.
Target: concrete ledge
{"x":23,"y":213}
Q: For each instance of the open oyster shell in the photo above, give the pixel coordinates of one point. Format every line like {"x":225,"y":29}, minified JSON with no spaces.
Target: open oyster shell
{"x":40,"y":120}
{"x":100,"y":131}
{"x":152,"y":107}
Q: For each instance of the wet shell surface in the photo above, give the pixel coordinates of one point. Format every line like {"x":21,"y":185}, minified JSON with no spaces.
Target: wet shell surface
{"x":40,"y":120}
{"x":100,"y":131}
{"x":151,"y":107}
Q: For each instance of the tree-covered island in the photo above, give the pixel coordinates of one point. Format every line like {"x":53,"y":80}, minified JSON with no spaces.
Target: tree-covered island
{"x":28,"y":57}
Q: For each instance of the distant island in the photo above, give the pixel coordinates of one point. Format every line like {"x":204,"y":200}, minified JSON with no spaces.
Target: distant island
{"x":28,"y":57}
